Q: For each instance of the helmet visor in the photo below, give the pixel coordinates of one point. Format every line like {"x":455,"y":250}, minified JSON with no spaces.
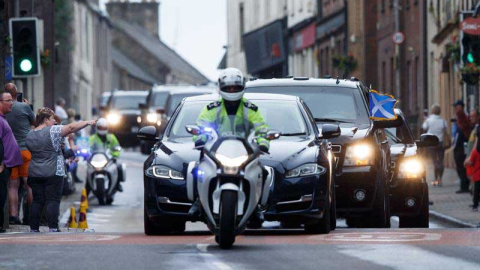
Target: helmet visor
{"x":102,"y":128}
{"x":232,"y":89}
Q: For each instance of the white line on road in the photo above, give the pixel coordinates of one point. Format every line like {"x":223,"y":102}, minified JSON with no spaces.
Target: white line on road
{"x":210,"y":259}
{"x":414,"y":258}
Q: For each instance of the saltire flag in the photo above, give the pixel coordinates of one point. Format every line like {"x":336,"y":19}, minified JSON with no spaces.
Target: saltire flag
{"x":381,"y":106}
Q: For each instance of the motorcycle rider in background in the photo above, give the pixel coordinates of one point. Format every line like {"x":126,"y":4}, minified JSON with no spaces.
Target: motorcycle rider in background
{"x":233,"y":115}
{"x":102,"y":141}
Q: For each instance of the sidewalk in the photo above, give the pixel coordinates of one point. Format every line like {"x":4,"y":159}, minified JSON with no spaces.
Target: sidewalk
{"x":449,"y":206}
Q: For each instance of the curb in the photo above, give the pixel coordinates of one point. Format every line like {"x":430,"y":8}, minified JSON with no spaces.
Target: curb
{"x":452,"y":221}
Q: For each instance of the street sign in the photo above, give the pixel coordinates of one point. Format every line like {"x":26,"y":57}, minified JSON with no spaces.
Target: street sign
{"x":8,"y":68}
{"x":471,"y":26}
{"x":398,"y":38}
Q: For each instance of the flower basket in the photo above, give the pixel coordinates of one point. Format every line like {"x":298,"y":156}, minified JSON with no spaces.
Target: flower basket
{"x":345,"y":63}
{"x":471,"y":78}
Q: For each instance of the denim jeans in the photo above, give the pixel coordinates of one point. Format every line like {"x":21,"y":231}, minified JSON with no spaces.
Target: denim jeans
{"x":47,"y":193}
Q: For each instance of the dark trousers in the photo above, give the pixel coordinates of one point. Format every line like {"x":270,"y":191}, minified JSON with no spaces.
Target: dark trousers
{"x":4,"y":176}
{"x":459,"y":156}
{"x":476,"y":194}
{"x":47,"y":193}
{"x":438,"y":156}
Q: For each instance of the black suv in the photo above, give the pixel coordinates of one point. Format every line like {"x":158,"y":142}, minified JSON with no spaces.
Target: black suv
{"x":409,"y":188}
{"x":362,"y":151}
{"x":122,"y":114}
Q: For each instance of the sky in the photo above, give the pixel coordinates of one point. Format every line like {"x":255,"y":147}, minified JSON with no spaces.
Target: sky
{"x":196,"y":30}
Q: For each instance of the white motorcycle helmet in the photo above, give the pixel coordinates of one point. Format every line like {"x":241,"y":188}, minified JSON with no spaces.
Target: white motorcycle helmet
{"x":102,"y":126}
{"x":231,"y":77}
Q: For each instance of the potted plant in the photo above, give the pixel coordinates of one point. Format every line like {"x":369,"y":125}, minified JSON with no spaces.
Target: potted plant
{"x":470,"y":74}
{"x":345,"y":63}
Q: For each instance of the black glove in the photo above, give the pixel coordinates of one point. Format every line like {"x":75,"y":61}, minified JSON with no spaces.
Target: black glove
{"x":199,"y":143}
{"x":264,"y":148}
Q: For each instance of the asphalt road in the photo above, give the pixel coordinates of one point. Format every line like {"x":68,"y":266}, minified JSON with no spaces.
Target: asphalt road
{"x":116,"y":241}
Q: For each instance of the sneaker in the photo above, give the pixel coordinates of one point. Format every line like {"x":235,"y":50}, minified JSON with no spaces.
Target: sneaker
{"x":54,"y":230}
{"x":34,"y":230}
{"x":119,"y":187}
{"x":14,"y":221}
{"x":461,"y":191}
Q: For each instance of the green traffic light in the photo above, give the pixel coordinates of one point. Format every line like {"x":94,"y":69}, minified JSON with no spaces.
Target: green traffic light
{"x":470,"y":58}
{"x":26,"y":65}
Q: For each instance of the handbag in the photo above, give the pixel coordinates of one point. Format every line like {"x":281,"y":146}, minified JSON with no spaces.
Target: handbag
{"x":447,"y":139}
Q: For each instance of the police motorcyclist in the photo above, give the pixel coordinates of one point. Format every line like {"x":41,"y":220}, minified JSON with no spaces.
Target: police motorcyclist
{"x":233,"y":115}
{"x":101,"y":141}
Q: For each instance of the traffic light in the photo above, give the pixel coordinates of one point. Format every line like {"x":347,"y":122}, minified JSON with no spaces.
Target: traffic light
{"x":26,"y":57}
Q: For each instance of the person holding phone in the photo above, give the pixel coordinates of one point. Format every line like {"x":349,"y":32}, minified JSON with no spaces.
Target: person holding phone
{"x":20,"y":120}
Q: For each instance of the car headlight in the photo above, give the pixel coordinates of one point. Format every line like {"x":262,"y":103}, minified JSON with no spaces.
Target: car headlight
{"x":306,"y":169}
{"x":152,"y":117}
{"x":411,"y":168}
{"x":113,"y":118}
{"x":165,"y":172}
{"x":359,"y":155}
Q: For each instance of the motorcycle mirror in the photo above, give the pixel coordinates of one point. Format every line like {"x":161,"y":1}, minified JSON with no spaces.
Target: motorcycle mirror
{"x":273,"y":135}
{"x":193,"y":129}
{"x":117,"y":148}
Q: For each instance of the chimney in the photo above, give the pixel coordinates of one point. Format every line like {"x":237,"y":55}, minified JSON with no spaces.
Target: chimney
{"x":145,"y":13}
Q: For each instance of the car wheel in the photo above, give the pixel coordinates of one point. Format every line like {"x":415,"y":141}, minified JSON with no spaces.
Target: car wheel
{"x":151,"y":228}
{"x":322,"y":226}
{"x":422,"y":219}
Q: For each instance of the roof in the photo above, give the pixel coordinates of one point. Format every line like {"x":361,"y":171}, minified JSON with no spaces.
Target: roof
{"x":252,"y":96}
{"x":159,"y":49}
{"x":302,"y":82}
{"x":130,"y":93}
{"x":135,"y":71}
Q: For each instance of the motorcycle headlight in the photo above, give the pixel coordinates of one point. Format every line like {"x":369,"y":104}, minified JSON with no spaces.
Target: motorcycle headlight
{"x":231,"y":162}
{"x":113,"y":118}
{"x":359,"y":155}
{"x":165,"y":172}
{"x":411,"y":168}
{"x":306,"y":169}
{"x":99,"y":161}
{"x":152,"y":117}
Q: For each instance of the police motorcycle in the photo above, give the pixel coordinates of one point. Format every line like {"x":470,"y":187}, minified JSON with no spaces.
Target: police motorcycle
{"x":102,"y":175}
{"x":228,"y":181}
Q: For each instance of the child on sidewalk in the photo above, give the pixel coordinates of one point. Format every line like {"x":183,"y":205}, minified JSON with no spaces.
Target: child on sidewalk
{"x":474,"y":161}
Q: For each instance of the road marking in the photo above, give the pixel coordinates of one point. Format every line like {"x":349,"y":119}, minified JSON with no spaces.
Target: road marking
{"x":413,"y":258}
{"x":379,"y":237}
{"x":210,"y":259}
{"x":54,"y":237}
{"x":203,"y":248}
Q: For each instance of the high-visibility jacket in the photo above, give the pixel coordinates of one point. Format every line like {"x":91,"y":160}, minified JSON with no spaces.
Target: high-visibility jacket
{"x":97,"y":145}
{"x":247,"y":118}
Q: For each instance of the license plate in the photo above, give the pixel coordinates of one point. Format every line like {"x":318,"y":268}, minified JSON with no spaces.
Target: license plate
{"x":134,"y":129}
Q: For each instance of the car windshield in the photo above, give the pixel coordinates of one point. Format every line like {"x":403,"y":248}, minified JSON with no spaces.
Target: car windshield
{"x":158,"y":100}
{"x":105,"y":99}
{"x":329,"y":103}
{"x":281,"y":115}
{"x":175,"y":99}
{"x":128,"y":102}
{"x":398,"y":135}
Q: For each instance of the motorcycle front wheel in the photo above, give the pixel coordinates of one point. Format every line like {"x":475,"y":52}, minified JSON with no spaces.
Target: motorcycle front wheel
{"x":228,"y":214}
{"x":101,"y":191}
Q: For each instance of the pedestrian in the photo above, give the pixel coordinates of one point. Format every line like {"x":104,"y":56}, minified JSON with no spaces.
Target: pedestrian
{"x":437,"y":126}
{"x":460,"y":138}
{"x":21,"y":119}
{"x":474,"y":161}
{"x":11,"y":152}
{"x":60,"y":110}
{"x":472,"y":139}
{"x":71,"y":115}
{"x":47,"y":168}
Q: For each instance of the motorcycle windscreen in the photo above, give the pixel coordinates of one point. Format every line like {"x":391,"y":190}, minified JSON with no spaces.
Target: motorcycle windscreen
{"x":232,"y":149}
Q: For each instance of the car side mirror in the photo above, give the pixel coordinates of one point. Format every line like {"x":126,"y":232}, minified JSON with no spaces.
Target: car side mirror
{"x":142,"y":106}
{"x":148,"y":133}
{"x":330,"y":131}
{"x":427,"y":140}
{"x":273,"y":135}
{"x":161,"y":111}
{"x":388,"y":123}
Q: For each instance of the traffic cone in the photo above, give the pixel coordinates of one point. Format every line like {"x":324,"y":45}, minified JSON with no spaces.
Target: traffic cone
{"x":72,"y":221}
{"x":82,"y":221}
{"x":84,"y":199}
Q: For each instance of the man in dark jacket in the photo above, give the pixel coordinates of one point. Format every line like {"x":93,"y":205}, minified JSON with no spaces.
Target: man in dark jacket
{"x":461,"y":137}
